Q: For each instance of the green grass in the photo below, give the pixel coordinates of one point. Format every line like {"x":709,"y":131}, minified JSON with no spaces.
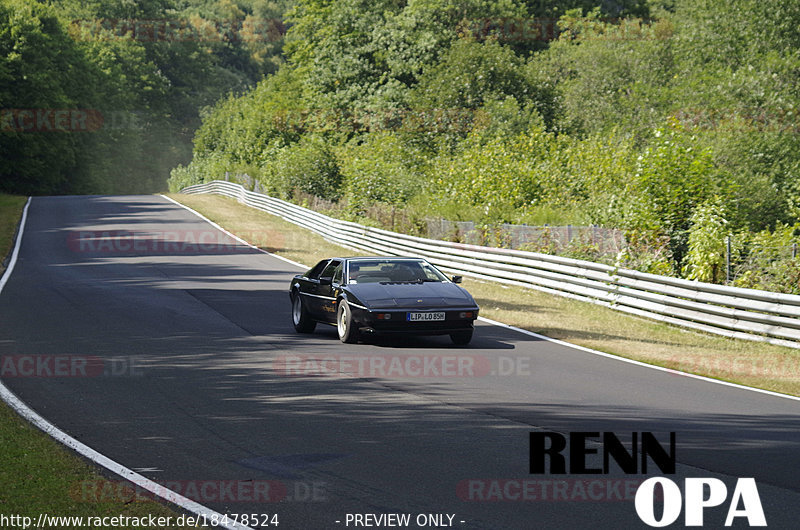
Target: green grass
{"x":39,"y":475}
{"x":11,"y":207}
{"x":749,"y":363}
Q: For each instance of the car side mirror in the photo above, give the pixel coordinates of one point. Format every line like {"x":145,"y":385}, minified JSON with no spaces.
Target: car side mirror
{"x":457,"y":279}
{"x":326,"y":281}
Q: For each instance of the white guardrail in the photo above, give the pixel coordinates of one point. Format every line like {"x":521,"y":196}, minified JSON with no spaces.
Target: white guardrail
{"x":730,"y":311}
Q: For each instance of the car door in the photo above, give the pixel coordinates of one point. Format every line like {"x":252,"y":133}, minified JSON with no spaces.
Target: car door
{"x":308,"y":286}
{"x":328,"y":287}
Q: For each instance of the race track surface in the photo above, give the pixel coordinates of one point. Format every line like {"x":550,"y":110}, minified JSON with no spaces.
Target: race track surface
{"x":207,"y":384}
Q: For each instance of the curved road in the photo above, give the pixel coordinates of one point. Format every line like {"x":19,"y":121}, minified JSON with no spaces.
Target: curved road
{"x":206,"y":384}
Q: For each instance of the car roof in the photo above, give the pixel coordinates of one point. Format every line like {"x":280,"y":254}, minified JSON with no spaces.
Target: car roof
{"x":381,"y":258}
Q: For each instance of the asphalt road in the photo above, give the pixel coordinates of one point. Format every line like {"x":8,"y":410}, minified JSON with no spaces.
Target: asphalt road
{"x":207,"y":386}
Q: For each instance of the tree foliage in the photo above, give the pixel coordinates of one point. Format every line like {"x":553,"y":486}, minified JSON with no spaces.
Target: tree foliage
{"x":654,"y":117}
{"x":705,"y":259}
{"x":141,"y":70}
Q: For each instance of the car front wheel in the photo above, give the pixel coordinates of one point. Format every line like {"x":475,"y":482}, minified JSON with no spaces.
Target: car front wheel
{"x":303,"y":323}
{"x":344,"y":324}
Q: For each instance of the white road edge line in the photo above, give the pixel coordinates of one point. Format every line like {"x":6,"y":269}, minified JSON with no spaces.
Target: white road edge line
{"x":33,"y":417}
{"x":638,"y":363}
{"x":17,"y":244}
{"x":525,"y":331}
{"x":234,"y":236}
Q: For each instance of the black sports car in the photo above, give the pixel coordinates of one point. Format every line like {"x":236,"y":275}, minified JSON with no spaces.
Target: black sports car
{"x":383,"y":295}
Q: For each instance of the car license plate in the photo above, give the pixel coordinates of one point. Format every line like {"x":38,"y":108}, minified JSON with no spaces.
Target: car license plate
{"x":417,"y":317}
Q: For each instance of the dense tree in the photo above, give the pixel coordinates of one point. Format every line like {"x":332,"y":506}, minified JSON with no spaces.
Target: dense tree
{"x":140,"y":72}
{"x":366,"y":54}
{"x":646,"y":116}
{"x":40,"y":68}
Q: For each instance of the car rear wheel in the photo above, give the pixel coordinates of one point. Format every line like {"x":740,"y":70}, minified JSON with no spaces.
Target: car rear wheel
{"x":461,"y":338}
{"x":344,"y":324}
{"x":303,"y":323}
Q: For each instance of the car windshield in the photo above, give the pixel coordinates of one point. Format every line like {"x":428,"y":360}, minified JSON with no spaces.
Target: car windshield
{"x":375,"y":271}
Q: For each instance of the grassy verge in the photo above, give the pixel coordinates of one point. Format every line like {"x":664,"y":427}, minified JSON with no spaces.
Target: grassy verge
{"x":10,"y":212}
{"x":749,"y":363}
{"x":39,"y":475}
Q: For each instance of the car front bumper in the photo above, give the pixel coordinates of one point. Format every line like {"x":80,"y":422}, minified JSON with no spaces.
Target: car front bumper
{"x":375,"y":321}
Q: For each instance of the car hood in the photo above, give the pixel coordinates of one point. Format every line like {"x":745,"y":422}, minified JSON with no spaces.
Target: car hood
{"x":411,"y":295}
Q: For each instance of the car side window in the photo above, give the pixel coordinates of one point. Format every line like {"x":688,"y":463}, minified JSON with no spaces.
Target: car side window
{"x":337,"y":274}
{"x":330,"y":270}
{"x":430,"y":274}
{"x":315,"y":271}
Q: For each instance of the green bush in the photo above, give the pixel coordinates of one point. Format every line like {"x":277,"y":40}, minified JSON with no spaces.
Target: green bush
{"x":308,"y":166}
{"x":200,"y":170}
{"x":769,"y":262}
{"x":674,"y":176}
{"x":705,"y":259}
{"x":499,"y":174}
{"x":381,"y":169}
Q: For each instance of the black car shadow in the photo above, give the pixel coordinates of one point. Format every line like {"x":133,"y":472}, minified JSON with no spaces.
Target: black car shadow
{"x":484,"y":339}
